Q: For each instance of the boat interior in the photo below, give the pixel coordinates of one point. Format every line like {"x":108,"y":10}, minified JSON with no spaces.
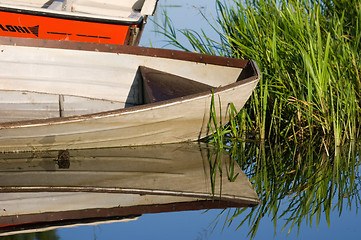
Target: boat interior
{"x":149,"y":86}
{"x":124,"y":9}
{"x":43,"y":82}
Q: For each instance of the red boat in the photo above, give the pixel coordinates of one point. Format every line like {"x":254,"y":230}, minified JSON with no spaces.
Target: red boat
{"x":102,"y":21}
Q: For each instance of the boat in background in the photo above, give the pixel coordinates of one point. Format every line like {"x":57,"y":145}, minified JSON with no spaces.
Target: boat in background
{"x":61,"y":187}
{"x":101,"y":21}
{"x":57,"y":95}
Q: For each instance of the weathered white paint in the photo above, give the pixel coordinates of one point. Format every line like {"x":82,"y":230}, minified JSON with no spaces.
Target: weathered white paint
{"x":97,"y":75}
{"x":20,"y":106}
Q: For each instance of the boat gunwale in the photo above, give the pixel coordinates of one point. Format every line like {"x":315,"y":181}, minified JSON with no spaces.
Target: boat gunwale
{"x":131,"y":50}
{"x":120,"y":190}
{"x":83,"y":17}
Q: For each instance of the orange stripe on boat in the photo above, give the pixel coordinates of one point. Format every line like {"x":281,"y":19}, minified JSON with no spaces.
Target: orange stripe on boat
{"x":34,"y":26}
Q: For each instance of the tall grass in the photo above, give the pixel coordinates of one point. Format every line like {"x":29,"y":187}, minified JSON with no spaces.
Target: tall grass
{"x":307,"y":102}
{"x":309,"y":55}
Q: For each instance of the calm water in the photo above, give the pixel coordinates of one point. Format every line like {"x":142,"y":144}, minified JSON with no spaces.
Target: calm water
{"x":299,"y":173}
{"x":282,"y":175}
{"x":185,"y":14}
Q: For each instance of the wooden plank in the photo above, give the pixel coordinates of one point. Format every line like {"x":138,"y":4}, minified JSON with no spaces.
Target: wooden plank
{"x":115,"y":8}
{"x":78,"y":106}
{"x":21,"y":105}
{"x":18,"y":106}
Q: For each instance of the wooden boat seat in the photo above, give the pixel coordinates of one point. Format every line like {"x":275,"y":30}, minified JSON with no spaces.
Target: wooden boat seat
{"x":25,"y":3}
{"x":161,"y":86}
{"x":114,"y":8}
{"x":21,"y":105}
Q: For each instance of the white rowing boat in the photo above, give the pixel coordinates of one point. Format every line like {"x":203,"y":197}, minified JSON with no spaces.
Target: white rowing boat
{"x":58,"y":95}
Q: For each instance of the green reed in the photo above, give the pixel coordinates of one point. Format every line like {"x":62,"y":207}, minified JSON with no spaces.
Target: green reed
{"x":309,"y":181}
{"x":309,"y":55}
{"x":221,"y":134}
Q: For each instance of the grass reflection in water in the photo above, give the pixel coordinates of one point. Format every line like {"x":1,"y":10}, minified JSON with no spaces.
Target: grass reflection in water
{"x":311,"y":180}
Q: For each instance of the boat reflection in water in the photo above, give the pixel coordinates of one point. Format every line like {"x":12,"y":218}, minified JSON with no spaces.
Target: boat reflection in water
{"x":57,"y":188}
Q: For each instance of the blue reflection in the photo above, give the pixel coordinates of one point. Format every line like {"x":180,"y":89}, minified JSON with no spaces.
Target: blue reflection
{"x":197,"y":225}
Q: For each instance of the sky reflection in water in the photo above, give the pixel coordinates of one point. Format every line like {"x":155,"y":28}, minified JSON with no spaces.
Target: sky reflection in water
{"x":196,"y":226}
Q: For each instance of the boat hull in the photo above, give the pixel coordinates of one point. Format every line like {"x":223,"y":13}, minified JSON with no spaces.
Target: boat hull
{"x":45,"y":27}
{"x":182,"y":121}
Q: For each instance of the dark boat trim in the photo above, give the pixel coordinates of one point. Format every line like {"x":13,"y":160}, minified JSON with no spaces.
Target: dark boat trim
{"x":31,"y":221}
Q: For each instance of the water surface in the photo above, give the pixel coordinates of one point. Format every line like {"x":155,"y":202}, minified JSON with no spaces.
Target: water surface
{"x":282,"y":175}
